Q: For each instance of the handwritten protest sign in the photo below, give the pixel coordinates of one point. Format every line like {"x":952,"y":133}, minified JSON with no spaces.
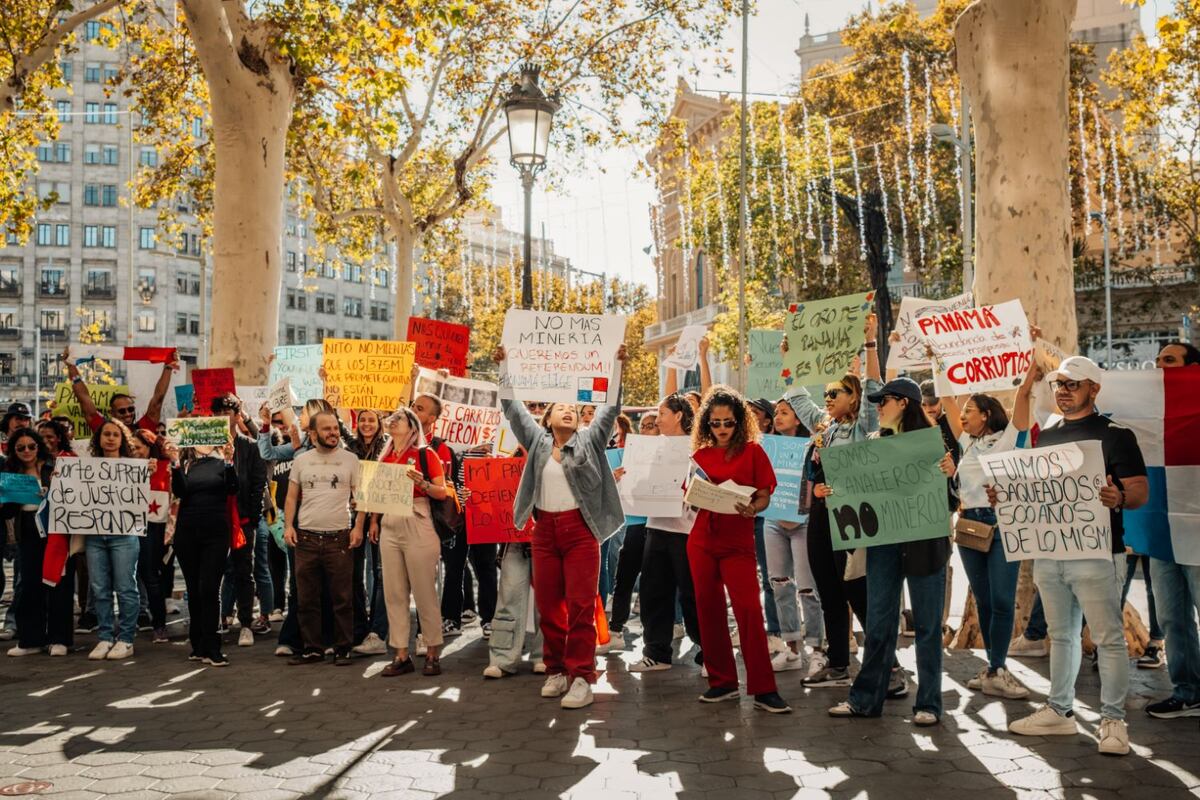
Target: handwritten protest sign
{"x":209,"y":384}
{"x":787,"y":458}
{"x":198,"y":431}
{"x":100,"y":496}
{"x":1049,"y":502}
{"x":301,"y":365}
{"x":911,"y":352}
{"x":506,"y":443}
{"x":185,"y":397}
{"x":655,"y":470}
{"x":360,"y":373}
{"x":384,"y":489}
{"x":440,"y":345}
{"x":280,"y":395}
{"x":686,"y":354}
{"x":470,"y":409}
{"x":492,"y":483}
{"x":615,"y":458}
{"x":561,"y":358}
{"x":763,"y":378}
{"x":253,"y":399}
{"x":887,"y":490}
{"x":823,"y":337}
{"x":16,"y":487}
{"x":67,"y":405}
{"x":978,"y":350}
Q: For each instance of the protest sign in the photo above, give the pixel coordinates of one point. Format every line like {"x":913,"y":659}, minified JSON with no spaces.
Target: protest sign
{"x":492,"y":483}
{"x":506,"y":443}
{"x":470,"y":409}
{"x":655,"y":470}
{"x":198,"y":431}
{"x":763,"y":378}
{"x":17,"y":487}
{"x":440,"y":345}
{"x":561,"y":358}
{"x":615,"y":457}
{"x":979,"y":349}
{"x":686,"y":354}
{"x":143,"y":377}
{"x":823,"y":337}
{"x":100,"y":496}
{"x":185,"y":397}
{"x":209,"y":384}
{"x":787,"y":459}
{"x":1048,"y":502}
{"x":301,"y":365}
{"x":67,"y":405}
{"x":384,"y":489}
{"x":887,"y":490}
{"x":281,"y":396}
{"x":911,"y":351}
{"x":253,"y":399}
{"x":360,"y":373}
{"x":722,"y":498}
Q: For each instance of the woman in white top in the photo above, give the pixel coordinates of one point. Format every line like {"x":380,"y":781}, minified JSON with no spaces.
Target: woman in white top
{"x":982,"y":427}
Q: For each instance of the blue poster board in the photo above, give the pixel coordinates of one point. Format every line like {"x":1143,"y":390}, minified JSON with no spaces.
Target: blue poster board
{"x":787,"y":458}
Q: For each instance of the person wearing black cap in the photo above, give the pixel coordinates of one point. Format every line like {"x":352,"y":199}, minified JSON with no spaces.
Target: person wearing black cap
{"x":923,"y":565}
{"x":16,"y":417}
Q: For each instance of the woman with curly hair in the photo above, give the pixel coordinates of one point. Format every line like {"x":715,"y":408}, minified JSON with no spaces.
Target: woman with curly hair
{"x":721,"y":551}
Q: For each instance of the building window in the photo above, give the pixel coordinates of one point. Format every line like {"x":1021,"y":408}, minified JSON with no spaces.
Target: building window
{"x":52,"y":319}
{"x":45,"y":153}
{"x":91,"y":73}
{"x":108,"y":236}
{"x":352,"y":307}
{"x":62,"y":152}
{"x":98,"y":282}
{"x":91,"y":194}
{"x":64,"y":111}
{"x":290,"y":260}
{"x":322,"y":333}
{"x":45,"y":234}
{"x":91,"y":113}
{"x":8,"y":318}
{"x":91,"y":154}
{"x":110,"y":113}
{"x":8,"y":364}
{"x":112,"y":155}
{"x":699,"y":279}
{"x":62,"y":235}
{"x":195,"y":248}
{"x":58,"y":191}
{"x":91,"y":30}
{"x":146,"y":238}
{"x":10,"y":280}
{"x":91,"y":235}
{"x":54,"y":282}
{"x":197,"y":127}
{"x":68,"y":70}
{"x":148,"y":157}
{"x":181,"y":323}
{"x":146,"y":321}
{"x":111,"y":73}
{"x":108,"y":195}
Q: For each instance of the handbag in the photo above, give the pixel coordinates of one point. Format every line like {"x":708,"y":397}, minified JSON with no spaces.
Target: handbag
{"x":448,"y":519}
{"x":973,"y":534}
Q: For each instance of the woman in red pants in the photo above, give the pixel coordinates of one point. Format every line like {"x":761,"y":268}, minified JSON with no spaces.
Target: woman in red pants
{"x":568,"y":488}
{"x":721,"y":552}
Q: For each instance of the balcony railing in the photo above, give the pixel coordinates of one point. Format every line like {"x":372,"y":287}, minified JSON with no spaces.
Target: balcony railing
{"x":51,"y":290}
{"x":10,"y":333}
{"x":10,"y":288}
{"x":93,"y":292}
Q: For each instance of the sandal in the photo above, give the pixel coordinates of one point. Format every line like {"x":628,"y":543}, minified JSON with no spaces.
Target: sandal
{"x":398,"y":667}
{"x":432,"y":666}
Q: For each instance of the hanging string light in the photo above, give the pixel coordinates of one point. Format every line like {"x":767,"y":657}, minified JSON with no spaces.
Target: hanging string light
{"x":1119,"y":195}
{"x":858,"y":199}
{"x":721,"y":211}
{"x":809,"y":187}
{"x":685,"y":220}
{"x":929,"y":208}
{"x":906,"y":69}
{"x":900,"y":205}
{"x":753,"y":176}
{"x":883,"y":195}
{"x":958,"y":157}
{"x":833,"y":215}
{"x":783,"y":163}
{"x":1100,"y":162}
{"x":1085,"y":177}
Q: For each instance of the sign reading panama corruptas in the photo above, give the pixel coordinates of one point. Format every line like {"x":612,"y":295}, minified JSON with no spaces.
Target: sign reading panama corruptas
{"x":980,"y":349}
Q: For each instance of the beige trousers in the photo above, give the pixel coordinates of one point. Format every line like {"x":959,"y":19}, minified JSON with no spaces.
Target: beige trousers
{"x":409,"y":550}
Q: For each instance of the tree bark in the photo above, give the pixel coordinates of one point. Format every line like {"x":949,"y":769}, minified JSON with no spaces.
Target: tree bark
{"x":405,"y":260}
{"x":252,"y":91}
{"x":1014,"y":61}
{"x":969,"y":636}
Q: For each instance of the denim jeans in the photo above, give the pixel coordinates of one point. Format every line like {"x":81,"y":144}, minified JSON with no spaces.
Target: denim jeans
{"x":1070,"y":591}
{"x":885,"y":586}
{"x":792,"y":583}
{"x":1177,"y":595}
{"x":10,"y":615}
{"x":248,"y":575}
{"x":993,"y":581}
{"x":610,"y":549}
{"x":112,"y":567}
{"x":760,"y":555}
{"x":379,"y":621}
{"x":1036,"y":631}
{"x":512,"y":609}
{"x":1156,"y":633}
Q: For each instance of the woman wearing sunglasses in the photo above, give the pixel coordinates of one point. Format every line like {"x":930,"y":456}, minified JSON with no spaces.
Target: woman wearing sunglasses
{"x":722,"y":555}
{"x":923,"y":565}
{"x":841,"y":421}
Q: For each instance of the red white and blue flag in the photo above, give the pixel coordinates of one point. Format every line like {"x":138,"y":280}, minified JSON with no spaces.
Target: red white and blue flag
{"x":592,"y":390}
{"x":83,"y":353}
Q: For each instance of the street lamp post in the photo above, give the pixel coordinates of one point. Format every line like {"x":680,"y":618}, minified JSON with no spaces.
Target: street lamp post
{"x":944,"y":133}
{"x":530,"y":114}
{"x":1103,"y":220}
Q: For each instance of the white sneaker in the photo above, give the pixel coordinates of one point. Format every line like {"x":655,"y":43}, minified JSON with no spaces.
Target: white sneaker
{"x":246,"y":638}
{"x":704,"y":671}
{"x":539,"y":668}
{"x":649,"y":665}
{"x":276,"y":615}
{"x":777,"y":645}
{"x":1004,"y":684}
{"x":1028,"y":648}
{"x":100,"y":651}
{"x":555,"y":686}
{"x":616,"y":643}
{"x":421,"y":647}
{"x":371,"y":646}
{"x":679,"y":631}
{"x":975,"y":684}
{"x":17,"y":652}
{"x":284,"y":650}
{"x":58,"y":649}
{"x":119,"y":651}
{"x":579,"y":696}
{"x":492,"y":671}
{"x":817,"y":662}
{"x":1044,"y":722}
{"x":787,"y":660}
{"x":1113,"y":737}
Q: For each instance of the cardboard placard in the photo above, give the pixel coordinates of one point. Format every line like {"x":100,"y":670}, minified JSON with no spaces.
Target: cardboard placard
{"x":16,"y":487}
{"x":982,"y":349}
{"x":67,"y":405}
{"x":764,"y":376}
{"x":360,"y":373}
{"x":440,"y":345}
{"x":281,"y":396}
{"x":185,"y":398}
{"x":561,"y":358}
{"x":823,"y":337}
{"x":209,"y":384}
{"x":687,"y":348}
{"x":787,"y":459}
{"x":470,"y":409}
{"x":300,"y":364}
{"x":656,"y":468}
{"x":198,"y":431}
{"x":492,"y":483}
{"x":253,"y":399}
{"x":100,"y":496}
{"x":384,"y":489}
{"x":911,"y":352}
{"x":615,"y":458}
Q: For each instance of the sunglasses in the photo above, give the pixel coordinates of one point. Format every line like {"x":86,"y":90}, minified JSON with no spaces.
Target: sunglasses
{"x":1070,"y":386}
{"x":887,"y":398}
{"x":722,"y":423}
{"x":276,"y":421}
{"x":831,"y":394}
{"x":26,"y":448}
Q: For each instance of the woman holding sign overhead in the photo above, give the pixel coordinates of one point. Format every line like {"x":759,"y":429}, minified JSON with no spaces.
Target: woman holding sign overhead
{"x":568,"y":488}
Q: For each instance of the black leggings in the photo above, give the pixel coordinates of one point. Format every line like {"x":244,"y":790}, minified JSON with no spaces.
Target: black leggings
{"x":154,"y":574}
{"x":629,"y":567}
{"x":202,"y":547}
{"x":828,"y":567}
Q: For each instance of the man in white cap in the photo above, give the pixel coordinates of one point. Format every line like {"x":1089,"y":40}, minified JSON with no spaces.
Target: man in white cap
{"x":1088,"y":588}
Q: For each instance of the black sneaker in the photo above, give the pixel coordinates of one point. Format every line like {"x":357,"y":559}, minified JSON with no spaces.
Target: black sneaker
{"x":261,"y":625}
{"x":307,"y":657}
{"x":771,"y":702}
{"x":194,"y":656}
{"x":341,"y":659}
{"x":1152,"y":658}
{"x":144,"y":623}
{"x":898,"y":685}
{"x":827,"y":677}
{"x":217,"y":660}
{"x":1173,"y":708}
{"x":469,"y":616}
{"x":719,"y":693}
{"x":485,"y":630}
{"x":450,"y":629}
{"x":87,"y":623}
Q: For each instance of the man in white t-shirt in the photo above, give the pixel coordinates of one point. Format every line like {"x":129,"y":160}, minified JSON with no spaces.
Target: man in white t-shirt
{"x":320,"y":498}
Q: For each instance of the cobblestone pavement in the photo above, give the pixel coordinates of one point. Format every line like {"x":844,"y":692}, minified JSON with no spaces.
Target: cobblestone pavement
{"x":158,"y":725}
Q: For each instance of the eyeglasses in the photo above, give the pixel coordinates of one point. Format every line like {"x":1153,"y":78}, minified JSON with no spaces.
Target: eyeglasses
{"x":276,"y":421}
{"x":722,"y":423}
{"x":124,"y":411}
{"x":1070,"y":386}
{"x":26,"y":448}
{"x":831,"y":394}
{"x":887,"y":398}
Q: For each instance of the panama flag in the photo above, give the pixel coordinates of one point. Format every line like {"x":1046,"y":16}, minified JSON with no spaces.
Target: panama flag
{"x":592,"y":390}
{"x":160,"y":492}
{"x":1162,"y":407}
{"x":143,"y":366}
{"x":82,"y":353}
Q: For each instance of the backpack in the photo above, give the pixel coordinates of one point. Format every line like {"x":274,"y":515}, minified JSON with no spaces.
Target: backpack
{"x":448,"y":518}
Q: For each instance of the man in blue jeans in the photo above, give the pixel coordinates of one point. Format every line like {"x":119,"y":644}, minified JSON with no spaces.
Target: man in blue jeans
{"x":1089,"y":587}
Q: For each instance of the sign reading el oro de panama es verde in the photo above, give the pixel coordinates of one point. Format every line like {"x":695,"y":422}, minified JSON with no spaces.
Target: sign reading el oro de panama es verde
{"x":823,"y":337}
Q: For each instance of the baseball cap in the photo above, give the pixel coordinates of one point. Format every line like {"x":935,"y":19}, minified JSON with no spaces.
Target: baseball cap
{"x":764,"y":405}
{"x":899,"y":387}
{"x":1077,"y":368}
